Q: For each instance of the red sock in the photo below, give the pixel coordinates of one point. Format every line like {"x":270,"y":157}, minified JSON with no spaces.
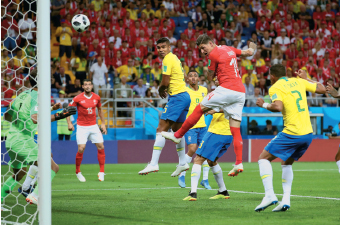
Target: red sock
{"x":79,"y":158}
{"x":101,"y":159}
{"x":190,"y":122}
{"x":238,"y":144}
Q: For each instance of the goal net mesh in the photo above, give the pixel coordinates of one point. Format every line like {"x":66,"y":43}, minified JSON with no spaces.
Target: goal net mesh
{"x":18,"y":60}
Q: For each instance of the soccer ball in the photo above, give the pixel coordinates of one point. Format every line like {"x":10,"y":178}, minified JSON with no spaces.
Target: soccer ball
{"x":80,"y":23}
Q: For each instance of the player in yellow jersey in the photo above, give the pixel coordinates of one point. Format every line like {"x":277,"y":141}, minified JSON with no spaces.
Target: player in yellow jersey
{"x":214,"y":144}
{"x":176,"y":110}
{"x":335,"y":94}
{"x":195,"y":135}
{"x":288,"y":96}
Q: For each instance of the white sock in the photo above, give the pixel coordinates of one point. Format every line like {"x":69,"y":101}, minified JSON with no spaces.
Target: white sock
{"x":157,"y":149}
{"x":218,"y":175}
{"x":35,"y":179}
{"x":338,"y":163}
{"x":266,"y":173}
{"x":195,"y":176}
{"x":32,"y":172}
{"x":188,"y":159}
{"x":206,"y":168}
{"x":181,"y":152}
{"x":287,"y":180}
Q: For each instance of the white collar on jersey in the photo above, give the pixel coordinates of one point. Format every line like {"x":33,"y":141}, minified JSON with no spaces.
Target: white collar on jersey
{"x":88,"y":97}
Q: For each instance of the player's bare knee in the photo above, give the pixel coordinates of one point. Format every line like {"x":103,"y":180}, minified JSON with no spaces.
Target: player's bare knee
{"x":81,"y":149}
{"x":199,"y":160}
{"x":100,"y":146}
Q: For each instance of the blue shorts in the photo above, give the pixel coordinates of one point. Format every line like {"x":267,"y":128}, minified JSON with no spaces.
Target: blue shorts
{"x":177,"y":108}
{"x":285,"y":146}
{"x":195,"y":136}
{"x":214,"y":145}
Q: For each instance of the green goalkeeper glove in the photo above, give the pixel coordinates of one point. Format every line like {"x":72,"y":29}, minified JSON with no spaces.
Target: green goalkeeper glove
{"x":71,"y":110}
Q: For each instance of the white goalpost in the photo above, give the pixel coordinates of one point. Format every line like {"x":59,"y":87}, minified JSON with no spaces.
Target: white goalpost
{"x":44,"y":111}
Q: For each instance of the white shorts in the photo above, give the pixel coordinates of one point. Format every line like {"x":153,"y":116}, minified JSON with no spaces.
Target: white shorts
{"x":230,"y":101}
{"x":91,"y":133}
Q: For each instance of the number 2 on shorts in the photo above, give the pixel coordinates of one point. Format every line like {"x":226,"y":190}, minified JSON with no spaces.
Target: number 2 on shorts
{"x":298,"y":101}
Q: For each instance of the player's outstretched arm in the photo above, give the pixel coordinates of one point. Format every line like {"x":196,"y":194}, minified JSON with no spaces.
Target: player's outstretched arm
{"x":331,"y":90}
{"x":276,"y":106}
{"x":71,"y":110}
{"x":250,"y":51}
{"x":320,"y":88}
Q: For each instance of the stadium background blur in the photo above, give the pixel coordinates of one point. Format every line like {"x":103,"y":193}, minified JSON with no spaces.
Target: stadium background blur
{"x":120,"y":43}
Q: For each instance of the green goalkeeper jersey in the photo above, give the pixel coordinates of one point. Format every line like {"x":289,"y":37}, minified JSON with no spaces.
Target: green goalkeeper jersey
{"x":21,"y":109}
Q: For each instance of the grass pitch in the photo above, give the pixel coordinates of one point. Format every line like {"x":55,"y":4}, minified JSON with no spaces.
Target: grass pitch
{"x":128,"y":198}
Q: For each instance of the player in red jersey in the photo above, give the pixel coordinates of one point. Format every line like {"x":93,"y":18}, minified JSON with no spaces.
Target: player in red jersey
{"x":87,"y":128}
{"x":229,"y":97}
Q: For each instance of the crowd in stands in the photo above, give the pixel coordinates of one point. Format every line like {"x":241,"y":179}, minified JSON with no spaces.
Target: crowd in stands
{"x":119,"y":47}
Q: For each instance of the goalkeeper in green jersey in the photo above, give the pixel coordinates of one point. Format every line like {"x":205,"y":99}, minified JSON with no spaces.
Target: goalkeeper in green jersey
{"x":20,"y":145}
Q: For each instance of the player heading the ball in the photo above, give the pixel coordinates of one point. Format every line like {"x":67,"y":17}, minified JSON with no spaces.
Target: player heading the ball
{"x":229,"y":96}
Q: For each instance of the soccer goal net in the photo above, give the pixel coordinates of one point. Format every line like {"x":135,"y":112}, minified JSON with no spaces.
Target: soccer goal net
{"x":25,"y":92}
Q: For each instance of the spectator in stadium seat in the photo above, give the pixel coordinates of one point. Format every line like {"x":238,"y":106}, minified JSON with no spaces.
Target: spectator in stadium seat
{"x":140,"y":88}
{"x":267,"y":44}
{"x":99,"y":76}
{"x":65,"y":10}
{"x":184,"y":65}
{"x":197,"y":15}
{"x":273,"y":5}
{"x":4,"y":58}
{"x":291,"y":54}
{"x":138,"y":65}
{"x":228,"y":38}
{"x":9,"y":31}
{"x":129,"y":71}
{"x":116,"y":39}
{"x":65,"y":34}
{"x":95,"y":47}
{"x":169,"y":6}
{"x":283,"y":40}
{"x":205,"y":22}
{"x":147,"y":76}
{"x":249,"y":87}
{"x":263,"y":88}
{"x":202,"y":81}
{"x":253,"y":128}
{"x":148,"y":10}
{"x":98,"y":5}
{"x":20,"y":60}
{"x":26,"y":26}
{"x":62,"y":80}
{"x":75,"y":89}
{"x":200,"y":68}
{"x":251,"y":75}
{"x":92,"y":59}
{"x":61,"y":99}
{"x":269,"y":129}
{"x":160,"y":13}
{"x":257,"y":94}
{"x":156,"y":71}
{"x":57,"y":6}
{"x":81,"y":66}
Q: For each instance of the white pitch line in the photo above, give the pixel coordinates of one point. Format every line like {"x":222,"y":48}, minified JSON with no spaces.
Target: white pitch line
{"x":164,"y":188}
{"x":136,"y":173}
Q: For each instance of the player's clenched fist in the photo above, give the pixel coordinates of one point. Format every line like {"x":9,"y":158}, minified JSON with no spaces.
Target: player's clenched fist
{"x":71,"y":110}
{"x":259,"y":102}
{"x":70,"y":127}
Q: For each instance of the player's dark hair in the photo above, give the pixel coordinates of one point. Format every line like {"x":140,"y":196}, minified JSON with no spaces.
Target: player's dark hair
{"x":203,"y":39}
{"x":163,"y":40}
{"x":193,"y":71}
{"x":33,"y":77}
{"x":278,"y":70}
{"x":87,"y":80}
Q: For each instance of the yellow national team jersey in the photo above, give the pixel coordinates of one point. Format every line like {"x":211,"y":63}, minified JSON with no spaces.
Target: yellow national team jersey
{"x":292,"y":93}
{"x":172,"y":66}
{"x":196,"y":97}
{"x":219,"y":125}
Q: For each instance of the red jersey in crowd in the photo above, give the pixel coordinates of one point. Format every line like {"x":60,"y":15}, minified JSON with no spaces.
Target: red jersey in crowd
{"x":222,"y":60}
{"x":189,"y":33}
{"x":86,"y":107}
